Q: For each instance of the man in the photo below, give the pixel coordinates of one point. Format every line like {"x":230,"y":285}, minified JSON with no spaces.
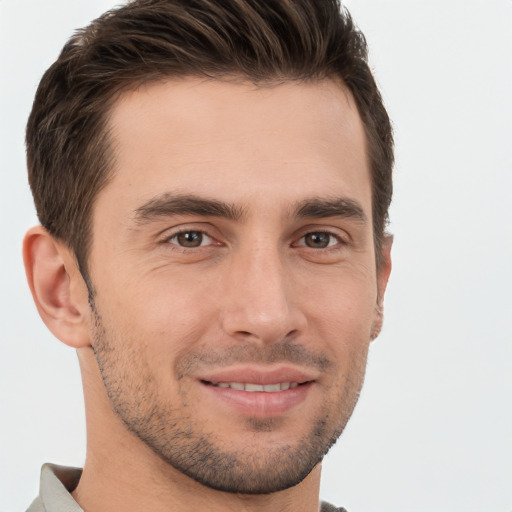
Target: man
{"x":212,"y":181}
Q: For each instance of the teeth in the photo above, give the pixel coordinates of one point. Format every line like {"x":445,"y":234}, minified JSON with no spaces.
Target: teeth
{"x":254,"y":387}
{"x":251,"y":388}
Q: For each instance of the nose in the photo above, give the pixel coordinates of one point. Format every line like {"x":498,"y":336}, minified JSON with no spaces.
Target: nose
{"x":259,"y":303}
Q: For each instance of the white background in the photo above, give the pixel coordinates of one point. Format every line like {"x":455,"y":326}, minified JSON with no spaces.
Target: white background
{"x":433,"y":429}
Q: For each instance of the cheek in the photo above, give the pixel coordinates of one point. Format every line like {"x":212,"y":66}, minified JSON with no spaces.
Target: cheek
{"x":341,"y":311}
{"x":160,"y":314}
{"x":345,"y":291}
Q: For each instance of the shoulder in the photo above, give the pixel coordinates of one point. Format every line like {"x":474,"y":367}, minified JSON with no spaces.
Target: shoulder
{"x":327,"y":507}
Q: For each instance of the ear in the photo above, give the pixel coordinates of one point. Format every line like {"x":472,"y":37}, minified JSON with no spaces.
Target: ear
{"x":383,"y":272}
{"x":57,"y":287}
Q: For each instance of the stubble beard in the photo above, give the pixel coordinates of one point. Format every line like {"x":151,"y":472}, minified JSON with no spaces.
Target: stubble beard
{"x":193,"y":447}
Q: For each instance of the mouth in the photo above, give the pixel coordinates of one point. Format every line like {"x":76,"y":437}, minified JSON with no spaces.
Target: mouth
{"x":258,"y":392}
{"x":256,"y":388}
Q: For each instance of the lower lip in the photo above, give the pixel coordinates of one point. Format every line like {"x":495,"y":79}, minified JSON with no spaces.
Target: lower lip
{"x":260,"y":403}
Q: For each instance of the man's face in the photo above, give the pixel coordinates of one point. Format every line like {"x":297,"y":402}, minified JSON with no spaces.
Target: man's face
{"x":234,"y":275}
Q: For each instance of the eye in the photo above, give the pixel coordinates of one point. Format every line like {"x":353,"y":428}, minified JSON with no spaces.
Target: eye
{"x":319,"y":240}
{"x":190,"y":239}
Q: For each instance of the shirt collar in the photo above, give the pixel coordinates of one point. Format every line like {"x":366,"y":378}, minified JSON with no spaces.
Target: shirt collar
{"x":56,"y":484}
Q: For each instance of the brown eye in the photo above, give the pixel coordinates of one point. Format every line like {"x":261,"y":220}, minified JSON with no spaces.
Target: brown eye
{"x":189,"y":239}
{"x":319,"y":240}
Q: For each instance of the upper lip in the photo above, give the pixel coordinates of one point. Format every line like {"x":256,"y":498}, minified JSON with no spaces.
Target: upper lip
{"x":259,"y":375}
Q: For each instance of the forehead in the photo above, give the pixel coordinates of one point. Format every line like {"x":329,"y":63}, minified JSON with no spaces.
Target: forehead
{"x":236,"y":140}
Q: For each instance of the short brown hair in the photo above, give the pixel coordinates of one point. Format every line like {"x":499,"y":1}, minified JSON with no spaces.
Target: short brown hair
{"x":263,"y":41}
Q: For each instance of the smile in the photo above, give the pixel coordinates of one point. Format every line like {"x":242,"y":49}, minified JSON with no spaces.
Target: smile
{"x":258,"y":399}
{"x":252,"y":388}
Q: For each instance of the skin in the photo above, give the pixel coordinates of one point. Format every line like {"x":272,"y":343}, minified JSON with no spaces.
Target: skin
{"x":268,"y":282}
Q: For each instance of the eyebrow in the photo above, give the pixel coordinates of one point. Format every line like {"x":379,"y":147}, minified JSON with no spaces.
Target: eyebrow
{"x":167,"y":205}
{"x":336,"y":207}
{"x":170,"y":204}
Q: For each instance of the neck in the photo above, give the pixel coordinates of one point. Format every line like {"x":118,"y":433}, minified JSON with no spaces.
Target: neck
{"x":122,"y":473}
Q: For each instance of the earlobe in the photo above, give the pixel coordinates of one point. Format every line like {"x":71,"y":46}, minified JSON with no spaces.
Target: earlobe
{"x":57,"y":287}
